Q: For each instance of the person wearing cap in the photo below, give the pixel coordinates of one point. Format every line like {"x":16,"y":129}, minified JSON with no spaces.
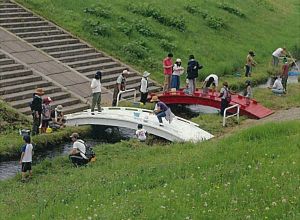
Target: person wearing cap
{"x":224,"y":95}
{"x":58,"y":119}
{"x":162,"y":111}
{"x":249,"y":63}
{"x":210,"y":80}
{"x":96,"y":92}
{"x":177,"y":72}
{"x":144,"y":87}
{"x":278,"y":53}
{"x":77,"y":154}
{"x":167,"y":65}
{"x":46,"y":113}
{"x":26,"y":157}
{"x":248,"y":92}
{"x":120,"y":86}
{"x":36,"y":109}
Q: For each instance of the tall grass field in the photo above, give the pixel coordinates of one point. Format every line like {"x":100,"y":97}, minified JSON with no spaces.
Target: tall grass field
{"x":218,"y":33}
{"x":253,"y":174}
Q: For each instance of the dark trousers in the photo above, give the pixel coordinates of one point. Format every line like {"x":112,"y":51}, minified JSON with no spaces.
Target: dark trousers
{"x":224,"y":104}
{"x":78,"y":160}
{"x":36,"y":124}
{"x":248,"y":71}
{"x":144,"y":97}
{"x":115,"y":96}
{"x":160,"y":115}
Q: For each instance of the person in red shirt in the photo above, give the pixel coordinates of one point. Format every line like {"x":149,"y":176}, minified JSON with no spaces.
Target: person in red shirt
{"x":168,"y":64}
{"x":285,"y":73}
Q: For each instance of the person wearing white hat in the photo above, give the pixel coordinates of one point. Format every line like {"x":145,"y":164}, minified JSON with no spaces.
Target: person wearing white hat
{"x":144,"y":87}
{"x":58,"y":119}
{"x":177,"y":72}
{"x":120,"y":86}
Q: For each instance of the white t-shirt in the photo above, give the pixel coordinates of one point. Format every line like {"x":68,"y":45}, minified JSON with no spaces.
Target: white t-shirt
{"x":277,"y":52}
{"x":144,"y":85}
{"x":27,"y":150}
{"x":141,"y":134}
{"x":177,"y":70}
{"x":216,"y":78}
{"x":278,"y":84}
{"x":96,"y":85}
{"x":79,"y":145}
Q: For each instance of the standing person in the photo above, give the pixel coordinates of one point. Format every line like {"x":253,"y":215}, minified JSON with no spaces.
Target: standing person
{"x":26,"y":157}
{"x":285,"y":73}
{"x":248,"y":92}
{"x":144,"y":87}
{"x":96,"y":92}
{"x":225,"y":97}
{"x":37,"y":108}
{"x":46,"y":113}
{"x":177,"y":72}
{"x":277,"y":87}
{"x":120,"y":86}
{"x":77,"y":154}
{"x":141,"y":133}
{"x":249,"y":63}
{"x":162,"y":110}
{"x":210,"y":80}
{"x":278,"y":53}
{"x":192,"y":73}
{"x":167,"y":65}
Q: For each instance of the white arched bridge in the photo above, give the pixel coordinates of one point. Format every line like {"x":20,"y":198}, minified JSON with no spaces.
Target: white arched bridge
{"x":179,"y":130}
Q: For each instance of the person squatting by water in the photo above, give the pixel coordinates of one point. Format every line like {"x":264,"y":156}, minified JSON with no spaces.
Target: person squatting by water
{"x":177,"y":72}
{"x":250,"y":62}
{"x":77,"y":154}
{"x":119,"y":86}
{"x":26,"y":157}
{"x":210,"y":80}
{"x":167,"y":65}
{"x":225,"y":98}
{"x":36,"y":110}
{"x":141,"y":133}
{"x":277,"y":87}
{"x":162,"y":110}
{"x":192,"y":73}
{"x":144,"y":87}
{"x":96,"y":92}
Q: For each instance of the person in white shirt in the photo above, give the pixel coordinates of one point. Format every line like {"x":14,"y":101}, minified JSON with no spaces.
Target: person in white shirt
{"x":77,"y":154}
{"x":141,"y":133}
{"x":211,"y":80}
{"x":278,"y":53}
{"x":26,"y":157}
{"x":277,"y":87}
{"x":144,"y":87}
{"x":177,"y":72}
{"x":119,"y":86}
{"x":96,"y":92}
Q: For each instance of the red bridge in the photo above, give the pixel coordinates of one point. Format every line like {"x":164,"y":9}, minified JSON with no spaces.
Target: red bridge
{"x":253,"y":110}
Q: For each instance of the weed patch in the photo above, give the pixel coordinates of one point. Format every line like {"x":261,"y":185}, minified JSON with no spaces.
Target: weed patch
{"x":232,"y":10}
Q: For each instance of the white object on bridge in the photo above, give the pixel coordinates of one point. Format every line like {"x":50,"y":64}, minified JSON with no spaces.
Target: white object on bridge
{"x":179,"y":130}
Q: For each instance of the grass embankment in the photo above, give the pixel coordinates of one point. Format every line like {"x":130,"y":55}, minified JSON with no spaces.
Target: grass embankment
{"x":253,"y":174}
{"x":218,"y":34}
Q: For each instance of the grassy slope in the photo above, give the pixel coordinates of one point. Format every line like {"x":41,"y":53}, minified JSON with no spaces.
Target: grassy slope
{"x":252,"y":174}
{"x":267,"y":25}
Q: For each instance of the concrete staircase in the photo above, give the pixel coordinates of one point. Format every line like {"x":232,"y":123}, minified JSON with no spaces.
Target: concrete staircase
{"x":17,"y":84}
{"x":66,"y":48}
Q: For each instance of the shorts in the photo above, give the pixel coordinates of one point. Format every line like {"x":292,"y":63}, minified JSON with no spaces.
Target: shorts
{"x":26,"y":166}
{"x":45,"y":123}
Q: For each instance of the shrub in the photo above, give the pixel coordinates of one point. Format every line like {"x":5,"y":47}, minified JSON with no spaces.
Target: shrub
{"x":125,"y":28}
{"x":167,"y":45}
{"x":266,"y":4}
{"x":136,"y":50}
{"x":97,"y":28}
{"x":144,"y":30}
{"x":232,"y":10}
{"x":99,"y":11}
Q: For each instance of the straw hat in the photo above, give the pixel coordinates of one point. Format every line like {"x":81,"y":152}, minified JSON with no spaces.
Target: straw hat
{"x":146,"y":74}
{"x":154,"y":99}
{"x":39,"y":91}
{"x":59,"y":108}
{"x":125,"y":72}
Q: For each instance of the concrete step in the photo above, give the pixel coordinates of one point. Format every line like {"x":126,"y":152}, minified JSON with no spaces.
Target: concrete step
{"x":115,"y":70}
{"x":129,"y":95}
{"x":39,"y":33}
{"x":11,"y":67}
{"x":18,"y":19}
{"x":70,"y":59}
{"x":46,"y":38}
{"x":15,"y":74}
{"x":23,"y":87}
{"x":7,"y":5}
{"x":24,"y":24}
{"x":112,"y":77}
{"x":6,"y":61}
{"x":88,"y":62}
{"x":2,"y":56}
{"x":28,"y":94}
{"x":58,"y":96}
{"x":96,"y":67}
{"x":19,"y":80}
{"x":65,"y":102}
{"x":32,"y":29}
{"x":15,"y":14}
{"x":130,"y":80}
{"x":81,"y":51}
{"x":11,"y":10}
{"x":64,"y":47}
{"x":52,"y":43}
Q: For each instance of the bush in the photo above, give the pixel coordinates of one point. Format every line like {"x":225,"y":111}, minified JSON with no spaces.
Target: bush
{"x":99,"y":11}
{"x":232,"y":10}
{"x":136,"y":50}
{"x":144,"y":30}
{"x":97,"y":28}
{"x":125,"y":28}
{"x":167,"y":45}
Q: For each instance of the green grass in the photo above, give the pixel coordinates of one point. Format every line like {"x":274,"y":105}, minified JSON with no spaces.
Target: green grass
{"x":141,"y":34}
{"x":253,"y":174}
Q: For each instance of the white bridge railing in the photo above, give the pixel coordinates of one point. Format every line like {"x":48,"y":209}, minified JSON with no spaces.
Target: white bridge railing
{"x":125,"y":91}
{"x":237,"y":114}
